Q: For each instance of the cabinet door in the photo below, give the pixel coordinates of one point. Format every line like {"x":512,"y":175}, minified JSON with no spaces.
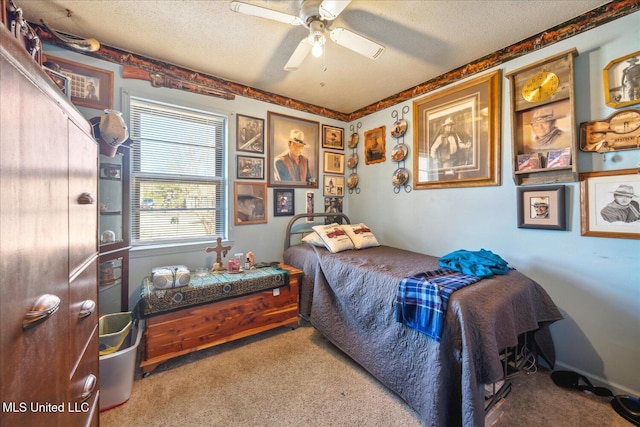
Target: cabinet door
{"x":34,"y":230}
{"x":83,"y":182}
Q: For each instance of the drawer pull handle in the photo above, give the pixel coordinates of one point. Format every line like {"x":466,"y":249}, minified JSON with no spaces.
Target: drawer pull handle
{"x":89,"y":386}
{"x":41,"y":310}
{"x":86,"y":199}
{"x":87,"y":309}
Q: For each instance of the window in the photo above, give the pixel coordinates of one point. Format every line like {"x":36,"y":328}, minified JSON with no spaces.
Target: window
{"x":177,"y":173}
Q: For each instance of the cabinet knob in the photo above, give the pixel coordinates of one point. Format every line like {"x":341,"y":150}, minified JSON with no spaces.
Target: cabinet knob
{"x":86,"y":199}
{"x":41,"y":310}
{"x":87,"y":309}
{"x":89,"y":387}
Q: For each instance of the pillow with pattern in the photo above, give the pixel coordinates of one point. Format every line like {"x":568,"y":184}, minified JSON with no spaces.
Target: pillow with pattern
{"x":361,"y":235}
{"x":334,"y":237}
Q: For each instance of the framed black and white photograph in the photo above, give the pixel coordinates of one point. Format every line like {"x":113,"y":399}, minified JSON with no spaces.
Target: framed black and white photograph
{"x":333,"y":162}
{"x":610,"y":204}
{"x":293,"y":151}
{"x":284,"y":201}
{"x":622,"y":81}
{"x":249,"y":134}
{"x":333,"y":205}
{"x":333,"y":185}
{"x":250,"y":203}
{"x":249,"y":167}
{"x":457,"y":135}
{"x":542,"y":207}
{"x":332,"y":137}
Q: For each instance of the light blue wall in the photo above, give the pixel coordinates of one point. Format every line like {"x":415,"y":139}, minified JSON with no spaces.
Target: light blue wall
{"x":594,"y":281}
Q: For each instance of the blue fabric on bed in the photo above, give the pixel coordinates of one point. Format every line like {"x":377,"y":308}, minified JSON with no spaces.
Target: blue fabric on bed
{"x":481,"y":263}
{"x":422,"y":299}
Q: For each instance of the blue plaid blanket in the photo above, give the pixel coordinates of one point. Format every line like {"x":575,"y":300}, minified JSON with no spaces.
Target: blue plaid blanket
{"x":422,"y":299}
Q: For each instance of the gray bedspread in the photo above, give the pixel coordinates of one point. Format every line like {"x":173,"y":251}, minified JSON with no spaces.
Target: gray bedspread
{"x":353,"y":306}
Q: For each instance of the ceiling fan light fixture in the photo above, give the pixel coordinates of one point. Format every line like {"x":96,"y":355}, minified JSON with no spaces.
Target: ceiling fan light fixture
{"x":316,"y":37}
{"x":317,"y":50}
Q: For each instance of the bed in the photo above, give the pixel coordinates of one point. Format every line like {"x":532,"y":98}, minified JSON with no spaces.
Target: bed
{"x":353,"y":297}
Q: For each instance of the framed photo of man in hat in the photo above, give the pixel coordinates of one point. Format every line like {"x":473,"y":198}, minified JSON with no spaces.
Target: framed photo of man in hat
{"x":542,"y":207}
{"x":293,"y":154}
{"x":250,"y":203}
{"x":610,"y":204}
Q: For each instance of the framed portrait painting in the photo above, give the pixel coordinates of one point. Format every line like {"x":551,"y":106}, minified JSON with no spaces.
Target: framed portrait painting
{"x":610,"y":204}
{"x":249,"y":167}
{"x":542,"y":207}
{"x":249,"y":134}
{"x":622,"y":81}
{"x":283,"y":201}
{"x":332,"y":137}
{"x":457,"y":135}
{"x":88,"y":86}
{"x":250,"y":203}
{"x":292,"y":151}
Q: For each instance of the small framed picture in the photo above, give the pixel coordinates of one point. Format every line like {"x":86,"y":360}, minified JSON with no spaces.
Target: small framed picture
{"x":249,"y":134}
{"x":622,"y":81}
{"x":110,"y":171}
{"x":542,"y":207}
{"x":333,"y":186}
{"x":610,"y":204}
{"x":250,"y":203}
{"x":333,"y":205}
{"x":333,"y":162}
{"x":88,"y":86}
{"x":332,"y":137}
{"x":248,"y":167}
{"x":283,"y":202}
{"x":375,"y":146}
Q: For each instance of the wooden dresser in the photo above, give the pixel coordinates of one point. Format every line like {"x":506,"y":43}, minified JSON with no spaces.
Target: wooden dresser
{"x":48,"y":250}
{"x":202,"y":326}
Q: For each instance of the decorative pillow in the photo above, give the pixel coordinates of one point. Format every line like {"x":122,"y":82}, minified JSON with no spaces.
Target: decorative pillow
{"x":361,"y":236}
{"x":334,"y":237}
{"x":313,"y":239}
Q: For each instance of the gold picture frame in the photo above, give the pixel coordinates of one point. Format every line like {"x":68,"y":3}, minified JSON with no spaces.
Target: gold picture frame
{"x":375,"y":145}
{"x":88,"y":86}
{"x":602,"y":214}
{"x":471,"y":158}
{"x":250,"y":203}
{"x":332,"y":137}
{"x":621,"y":79}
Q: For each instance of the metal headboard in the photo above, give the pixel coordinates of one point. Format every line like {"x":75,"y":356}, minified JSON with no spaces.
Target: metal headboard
{"x":292,"y":221}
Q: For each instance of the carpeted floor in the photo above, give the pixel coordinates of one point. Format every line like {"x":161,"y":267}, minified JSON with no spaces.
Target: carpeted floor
{"x":297,"y":378}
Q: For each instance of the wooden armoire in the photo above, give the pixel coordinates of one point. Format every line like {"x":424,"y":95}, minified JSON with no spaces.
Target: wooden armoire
{"x":48,"y":250}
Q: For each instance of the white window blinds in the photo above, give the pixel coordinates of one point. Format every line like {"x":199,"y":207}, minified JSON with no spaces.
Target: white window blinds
{"x":177,"y":173}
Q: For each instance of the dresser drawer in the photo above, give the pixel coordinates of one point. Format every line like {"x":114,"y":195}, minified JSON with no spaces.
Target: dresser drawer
{"x":83,"y":388}
{"x":83,"y":310}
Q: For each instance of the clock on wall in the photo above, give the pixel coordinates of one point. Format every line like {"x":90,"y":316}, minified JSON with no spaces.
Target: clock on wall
{"x":543,"y":121}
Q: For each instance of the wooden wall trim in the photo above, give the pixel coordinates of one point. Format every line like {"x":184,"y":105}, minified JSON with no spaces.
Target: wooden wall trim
{"x":592,"y":19}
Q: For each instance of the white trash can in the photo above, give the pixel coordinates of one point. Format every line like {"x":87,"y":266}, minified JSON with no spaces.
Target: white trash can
{"x":117,"y":371}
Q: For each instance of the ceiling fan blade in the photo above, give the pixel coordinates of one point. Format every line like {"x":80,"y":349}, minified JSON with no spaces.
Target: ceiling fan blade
{"x":356,"y":43}
{"x":301,"y":52}
{"x":330,"y":9}
{"x":263,"y":12}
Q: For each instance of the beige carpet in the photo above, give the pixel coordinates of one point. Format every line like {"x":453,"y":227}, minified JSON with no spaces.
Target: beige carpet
{"x":297,"y":378}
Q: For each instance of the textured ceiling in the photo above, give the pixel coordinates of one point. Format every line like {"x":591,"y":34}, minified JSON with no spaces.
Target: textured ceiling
{"x":423,"y":39}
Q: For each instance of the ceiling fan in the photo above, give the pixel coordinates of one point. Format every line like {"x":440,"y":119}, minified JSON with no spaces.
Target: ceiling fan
{"x":316,"y":16}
